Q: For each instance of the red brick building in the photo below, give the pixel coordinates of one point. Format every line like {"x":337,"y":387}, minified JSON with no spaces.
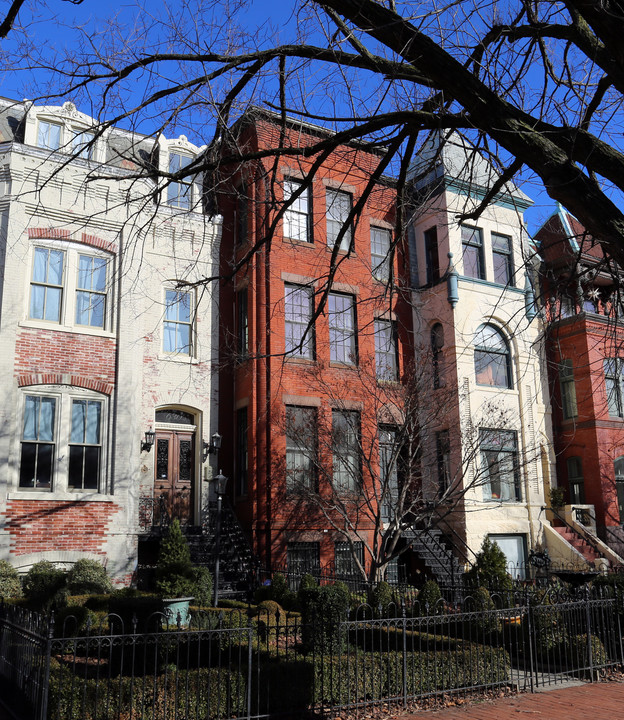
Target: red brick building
{"x":315,"y":339}
{"x":582,"y":297}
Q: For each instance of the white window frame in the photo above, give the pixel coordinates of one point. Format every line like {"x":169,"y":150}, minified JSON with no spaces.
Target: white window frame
{"x":499,"y":448}
{"x":381,"y":241}
{"x":346,"y":451}
{"x":336,"y":217}
{"x":176,"y":196}
{"x":301,"y":449}
{"x":70,"y":288}
{"x":64,"y":396}
{"x":191,"y":323}
{"x":386,"y":350}
{"x":342,"y":329}
{"x":296,"y":221}
{"x":298,"y":332}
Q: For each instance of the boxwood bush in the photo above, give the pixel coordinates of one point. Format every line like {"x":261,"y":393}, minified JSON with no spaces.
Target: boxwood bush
{"x":45,"y":586}
{"x":203,"y":693}
{"x":88,"y":576}
{"x":323,"y":609}
{"x":10,"y":585}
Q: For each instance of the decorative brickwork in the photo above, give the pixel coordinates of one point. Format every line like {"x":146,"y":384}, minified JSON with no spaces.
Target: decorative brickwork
{"x":62,"y":356}
{"x":42,"y":525}
{"x":63,"y":234}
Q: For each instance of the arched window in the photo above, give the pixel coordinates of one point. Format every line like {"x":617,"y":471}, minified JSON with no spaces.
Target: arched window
{"x":437,"y":343}
{"x":492,"y":358}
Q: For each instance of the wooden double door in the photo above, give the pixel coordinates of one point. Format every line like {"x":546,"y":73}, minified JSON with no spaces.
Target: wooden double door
{"x":175,"y":474}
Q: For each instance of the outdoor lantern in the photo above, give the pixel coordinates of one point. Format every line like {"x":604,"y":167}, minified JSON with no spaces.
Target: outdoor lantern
{"x":213,"y":447}
{"x":148,"y":443}
{"x":220,"y":482}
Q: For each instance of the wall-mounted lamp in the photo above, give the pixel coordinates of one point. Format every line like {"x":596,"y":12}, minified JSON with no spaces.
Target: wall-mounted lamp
{"x":213,"y":447}
{"x":148,"y":443}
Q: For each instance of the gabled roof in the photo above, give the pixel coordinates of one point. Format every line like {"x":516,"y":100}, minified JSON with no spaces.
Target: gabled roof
{"x":563,"y":241}
{"x":449,"y":160}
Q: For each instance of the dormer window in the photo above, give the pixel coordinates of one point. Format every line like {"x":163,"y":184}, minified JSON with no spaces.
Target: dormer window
{"x":82,"y":144}
{"x":49,"y":135}
{"x":179,"y":193}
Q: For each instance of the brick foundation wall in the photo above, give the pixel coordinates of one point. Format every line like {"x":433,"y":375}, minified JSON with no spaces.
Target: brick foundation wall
{"x":42,"y":525}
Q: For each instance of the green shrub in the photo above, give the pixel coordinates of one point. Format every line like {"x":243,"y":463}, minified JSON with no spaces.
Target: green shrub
{"x":203,"y":692}
{"x":45,"y":586}
{"x":278,"y":591}
{"x":88,"y":576}
{"x":203,"y":586}
{"x":487,"y":621}
{"x":577,"y":651}
{"x":175,"y":575}
{"x":323,"y":610}
{"x":75,"y":621}
{"x":308,"y":582}
{"x":271,"y":608}
{"x":129,"y":604}
{"x":381,"y":596}
{"x":429,"y":598}
{"x":10,"y":585}
{"x":489,"y":569}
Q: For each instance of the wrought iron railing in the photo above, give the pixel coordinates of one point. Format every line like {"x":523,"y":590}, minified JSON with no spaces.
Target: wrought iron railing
{"x":258,"y":663}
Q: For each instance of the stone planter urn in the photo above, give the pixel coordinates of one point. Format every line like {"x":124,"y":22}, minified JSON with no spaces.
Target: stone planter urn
{"x":174,"y":608}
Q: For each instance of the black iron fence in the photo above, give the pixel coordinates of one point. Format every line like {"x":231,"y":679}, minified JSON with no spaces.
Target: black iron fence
{"x":252,"y":663}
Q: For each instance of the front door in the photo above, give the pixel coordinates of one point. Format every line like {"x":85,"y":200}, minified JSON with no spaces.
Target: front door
{"x":174,"y":472}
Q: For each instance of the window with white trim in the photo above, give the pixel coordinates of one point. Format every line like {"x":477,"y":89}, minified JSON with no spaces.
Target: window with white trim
{"x":70,"y":286}
{"x":568,"y":389}
{"x":49,"y":135}
{"x":386,"y":364}
{"x":342,"y":339}
{"x":347,"y":469}
{"x":62,"y":440}
{"x":179,"y":192}
{"x":299,"y":333}
{"x":499,"y":457}
{"x":297,"y":214}
{"x":178,"y":335}
{"x":338,"y":210}
{"x":301,"y":439}
{"x":380,"y":253}
{"x":614,"y":385}
{"x":83,"y":144}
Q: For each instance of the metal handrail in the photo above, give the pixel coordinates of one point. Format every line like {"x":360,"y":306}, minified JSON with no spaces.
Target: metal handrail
{"x":587,"y":538}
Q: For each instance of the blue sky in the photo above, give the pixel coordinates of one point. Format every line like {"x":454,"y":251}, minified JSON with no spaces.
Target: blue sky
{"x":61,"y":27}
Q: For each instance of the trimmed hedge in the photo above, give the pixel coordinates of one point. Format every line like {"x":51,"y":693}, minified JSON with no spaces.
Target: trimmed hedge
{"x":297,"y":684}
{"x":205,"y":693}
{"x":10,"y":585}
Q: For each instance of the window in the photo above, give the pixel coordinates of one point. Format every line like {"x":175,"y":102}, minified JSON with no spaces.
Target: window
{"x":437,"y":343}
{"x":502,"y":259}
{"x":614,"y":383}
{"x":338,"y":210}
{"x":514,"y":549}
{"x":576,"y":481}
{"x":492,"y":358}
{"x":241,"y":451}
{"x":83,"y":144}
{"x":346,"y":450}
{"x":345,"y":559}
{"x":46,"y":288}
{"x":178,"y":335}
{"x":38,"y":442}
{"x":242,"y":212}
{"x":85,"y":445}
{"x":500,"y":467}
{"x":388,"y":472}
{"x":62,"y":441}
{"x":299,"y":333}
{"x":300,"y":449}
{"x":303,"y":557}
{"x":179,"y":192}
{"x":242,"y":324}
{"x":297,"y":215}
{"x":443,"y":452}
{"x":432,"y":257}
{"x":472,"y":252}
{"x":568,"y":389}
{"x":341,"y":311}
{"x":380,"y":254}
{"x":70,"y":287}
{"x":386,"y":362}
{"x":91,"y":291}
{"x":49,"y":135}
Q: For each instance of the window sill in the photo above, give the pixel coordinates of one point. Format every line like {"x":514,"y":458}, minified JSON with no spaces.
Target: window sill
{"x":344,"y":366}
{"x":299,"y":360}
{"x":75,"y":329}
{"x":60,"y":496}
{"x":178,"y":358}
{"x":496,"y":388}
{"x":298,"y":243}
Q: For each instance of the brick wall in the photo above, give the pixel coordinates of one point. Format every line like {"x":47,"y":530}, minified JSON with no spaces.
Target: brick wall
{"x":42,"y":525}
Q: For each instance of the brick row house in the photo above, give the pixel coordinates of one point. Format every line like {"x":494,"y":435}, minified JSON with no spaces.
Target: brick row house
{"x":100,"y":341}
{"x":328,"y":341}
{"x":581,"y":295}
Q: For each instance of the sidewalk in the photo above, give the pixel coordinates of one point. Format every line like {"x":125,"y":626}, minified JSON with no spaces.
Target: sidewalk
{"x":590,"y":701}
